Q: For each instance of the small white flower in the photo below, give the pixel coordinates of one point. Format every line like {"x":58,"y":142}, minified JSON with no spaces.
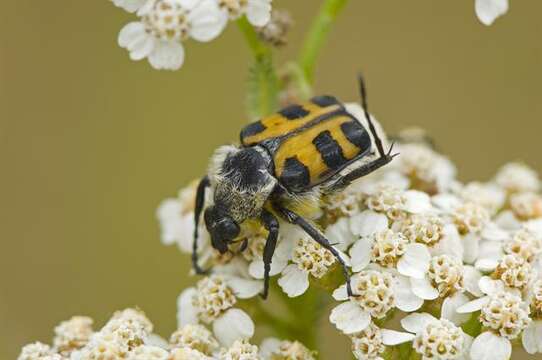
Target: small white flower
{"x":488,"y":195}
{"x":212,"y":302}
{"x":340,"y":235}
{"x":370,"y":343}
{"x":374,"y":297}
{"x":505,"y":316}
{"x":38,"y":351}
{"x":194,"y":336}
{"x":258,"y":12}
{"x":517,"y":177}
{"x":436,"y":338}
{"x":514,"y":272}
{"x":526,"y":205}
{"x":387,"y":200}
{"x":240,"y":350}
{"x":427,"y":170}
{"x":424,"y":229}
{"x":524,"y":244}
{"x":164,"y":24}
{"x":275,"y":349}
{"x":489,"y":10}
{"x":309,"y":258}
{"x":470,"y":218}
{"x":72,"y":334}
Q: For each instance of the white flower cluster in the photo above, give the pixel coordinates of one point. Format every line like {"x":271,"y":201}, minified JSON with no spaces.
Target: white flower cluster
{"x":128,"y":335}
{"x":412,"y":235}
{"x":164,"y":25}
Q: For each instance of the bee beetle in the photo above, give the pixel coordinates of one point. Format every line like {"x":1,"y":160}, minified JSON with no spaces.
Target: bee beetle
{"x":304,"y":150}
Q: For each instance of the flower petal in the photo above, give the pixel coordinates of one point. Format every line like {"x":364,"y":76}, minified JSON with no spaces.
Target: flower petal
{"x":392,"y":337}
{"x":259,"y":12}
{"x":130,"y":34}
{"x":244,"y":288}
{"x":340,"y":293}
{"x":233,"y":325}
{"x":294,"y":281}
{"x":450,"y":306}
{"x":207,"y":21}
{"x":360,"y":254}
{"x":488,"y":346}
{"x":417,"y":202}
{"x":129,"y":5}
{"x":489,"y":10}
{"x":416,"y":322}
{"x":405,"y":299}
{"x":473,"y":305}
{"x":490,"y":286}
{"x":532,"y":337}
{"x":167,"y":55}
{"x":339,"y":234}
{"x":422,"y":288}
{"x":471,"y":244}
{"x":367,"y":223}
{"x":415,"y":262}
{"x":349,"y":317}
{"x":268,"y":347}
{"x":471,"y":277}
{"x":187,"y":313}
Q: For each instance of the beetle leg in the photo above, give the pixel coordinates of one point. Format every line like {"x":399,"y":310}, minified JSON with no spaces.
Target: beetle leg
{"x":272,"y":226}
{"x":294,"y":218}
{"x":200,"y":200}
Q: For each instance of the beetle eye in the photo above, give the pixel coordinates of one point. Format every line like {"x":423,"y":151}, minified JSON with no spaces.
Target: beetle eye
{"x":228,"y":228}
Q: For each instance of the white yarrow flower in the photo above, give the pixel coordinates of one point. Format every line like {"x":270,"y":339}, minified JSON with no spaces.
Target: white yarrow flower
{"x":164,"y":24}
{"x":437,"y":338}
{"x":489,"y":10}
{"x":258,"y":12}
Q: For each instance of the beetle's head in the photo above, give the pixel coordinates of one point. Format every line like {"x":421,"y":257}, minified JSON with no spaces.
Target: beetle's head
{"x":222,"y":227}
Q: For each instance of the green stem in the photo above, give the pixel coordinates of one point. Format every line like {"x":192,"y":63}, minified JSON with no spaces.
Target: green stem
{"x":258,"y":48}
{"x":263,"y":85}
{"x":317,"y":35}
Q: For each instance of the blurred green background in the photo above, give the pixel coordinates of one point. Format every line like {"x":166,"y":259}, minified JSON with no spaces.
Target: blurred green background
{"x":91,"y":142}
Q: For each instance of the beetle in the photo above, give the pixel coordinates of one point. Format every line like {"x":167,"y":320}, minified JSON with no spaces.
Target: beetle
{"x":304,"y":150}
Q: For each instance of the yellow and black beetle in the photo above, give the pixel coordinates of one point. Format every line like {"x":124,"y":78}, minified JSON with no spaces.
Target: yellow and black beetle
{"x":307,"y":149}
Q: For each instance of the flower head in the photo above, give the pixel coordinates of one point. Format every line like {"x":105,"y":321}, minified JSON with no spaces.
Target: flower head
{"x":446,"y":274}
{"x":517,"y":177}
{"x":470,"y":218}
{"x":440,"y":339}
{"x":258,"y":12}
{"x":164,"y":24}
{"x":194,"y":336}
{"x":240,"y":350}
{"x":38,"y":351}
{"x":72,"y":334}
{"x":514,"y":271}
{"x":506,"y":314}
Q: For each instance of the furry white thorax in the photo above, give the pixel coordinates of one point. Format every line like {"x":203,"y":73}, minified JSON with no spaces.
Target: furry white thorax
{"x":243,"y":203}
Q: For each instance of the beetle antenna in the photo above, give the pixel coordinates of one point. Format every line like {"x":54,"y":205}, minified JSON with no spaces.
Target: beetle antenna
{"x":363,"y":94}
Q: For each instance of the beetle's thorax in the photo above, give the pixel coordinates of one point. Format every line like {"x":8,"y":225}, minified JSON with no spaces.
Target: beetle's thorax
{"x":241,"y":181}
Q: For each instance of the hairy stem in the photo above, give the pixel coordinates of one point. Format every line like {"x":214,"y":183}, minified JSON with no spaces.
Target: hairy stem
{"x":317,"y":36}
{"x":263,"y":85}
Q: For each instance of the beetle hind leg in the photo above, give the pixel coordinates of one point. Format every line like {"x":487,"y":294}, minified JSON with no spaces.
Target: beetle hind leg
{"x":317,"y":236}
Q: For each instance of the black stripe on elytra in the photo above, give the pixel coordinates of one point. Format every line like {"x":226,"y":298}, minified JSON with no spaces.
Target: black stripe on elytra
{"x":325,"y":100}
{"x":356,"y":134}
{"x":252,"y":129}
{"x":295,"y":175}
{"x":330,"y":150}
{"x":293,"y":112}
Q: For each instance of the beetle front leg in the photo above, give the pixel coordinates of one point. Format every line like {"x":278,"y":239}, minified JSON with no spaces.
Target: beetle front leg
{"x":271,"y":224}
{"x":294,"y":218}
{"x":200,"y":201}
